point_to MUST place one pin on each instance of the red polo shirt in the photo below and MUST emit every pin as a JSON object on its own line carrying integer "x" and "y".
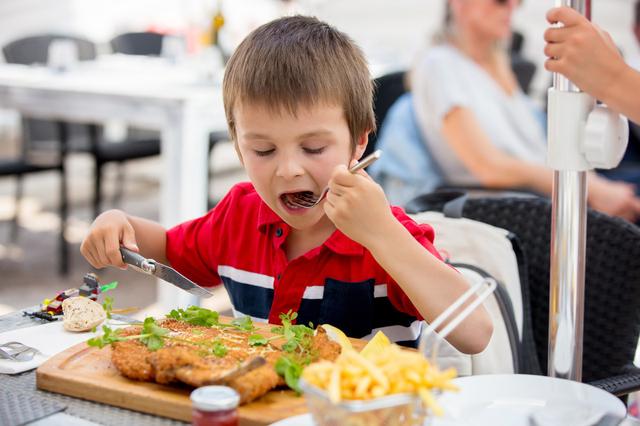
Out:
{"x": 240, "y": 244}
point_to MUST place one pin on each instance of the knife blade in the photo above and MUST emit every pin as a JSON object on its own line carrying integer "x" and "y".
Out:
{"x": 163, "y": 272}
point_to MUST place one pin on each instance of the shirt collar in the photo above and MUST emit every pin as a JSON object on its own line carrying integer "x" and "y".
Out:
{"x": 337, "y": 242}
{"x": 266, "y": 217}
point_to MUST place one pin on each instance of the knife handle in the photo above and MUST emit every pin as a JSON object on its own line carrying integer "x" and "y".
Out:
{"x": 136, "y": 259}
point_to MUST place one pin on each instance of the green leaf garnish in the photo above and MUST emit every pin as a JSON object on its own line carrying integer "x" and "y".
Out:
{"x": 195, "y": 315}
{"x": 108, "y": 337}
{"x": 152, "y": 334}
{"x": 257, "y": 340}
{"x": 107, "y": 305}
{"x": 291, "y": 369}
{"x": 243, "y": 324}
{"x": 219, "y": 349}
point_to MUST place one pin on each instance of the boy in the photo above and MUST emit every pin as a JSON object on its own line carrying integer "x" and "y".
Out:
{"x": 298, "y": 101}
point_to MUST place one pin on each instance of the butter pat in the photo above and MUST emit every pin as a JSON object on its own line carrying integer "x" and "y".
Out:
{"x": 82, "y": 314}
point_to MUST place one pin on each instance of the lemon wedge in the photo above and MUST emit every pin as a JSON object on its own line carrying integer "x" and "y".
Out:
{"x": 337, "y": 336}
{"x": 376, "y": 345}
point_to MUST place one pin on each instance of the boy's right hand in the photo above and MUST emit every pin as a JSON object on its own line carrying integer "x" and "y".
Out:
{"x": 109, "y": 231}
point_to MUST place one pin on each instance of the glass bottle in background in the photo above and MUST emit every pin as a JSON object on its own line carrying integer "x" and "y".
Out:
{"x": 210, "y": 59}
{"x": 214, "y": 406}
{"x": 217, "y": 22}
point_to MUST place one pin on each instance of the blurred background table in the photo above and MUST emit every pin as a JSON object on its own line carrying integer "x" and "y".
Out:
{"x": 185, "y": 109}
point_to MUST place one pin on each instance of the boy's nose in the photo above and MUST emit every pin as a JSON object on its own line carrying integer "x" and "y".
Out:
{"x": 289, "y": 168}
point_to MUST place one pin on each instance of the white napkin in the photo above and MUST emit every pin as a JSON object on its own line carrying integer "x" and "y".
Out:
{"x": 49, "y": 339}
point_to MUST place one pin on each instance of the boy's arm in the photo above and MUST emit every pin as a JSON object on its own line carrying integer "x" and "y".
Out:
{"x": 430, "y": 284}
{"x": 151, "y": 238}
{"x": 114, "y": 228}
{"x": 358, "y": 207}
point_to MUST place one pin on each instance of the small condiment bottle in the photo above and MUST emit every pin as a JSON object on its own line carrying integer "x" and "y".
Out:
{"x": 214, "y": 406}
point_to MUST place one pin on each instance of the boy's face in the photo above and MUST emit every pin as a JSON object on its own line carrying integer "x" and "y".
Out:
{"x": 285, "y": 154}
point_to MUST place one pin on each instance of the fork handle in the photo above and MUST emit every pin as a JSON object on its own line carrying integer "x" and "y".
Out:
{"x": 366, "y": 161}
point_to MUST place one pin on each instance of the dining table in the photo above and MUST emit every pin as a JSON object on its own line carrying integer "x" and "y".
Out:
{"x": 183, "y": 102}
{"x": 67, "y": 411}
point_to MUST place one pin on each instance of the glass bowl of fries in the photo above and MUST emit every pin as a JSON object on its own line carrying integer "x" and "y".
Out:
{"x": 392, "y": 410}
{"x": 390, "y": 386}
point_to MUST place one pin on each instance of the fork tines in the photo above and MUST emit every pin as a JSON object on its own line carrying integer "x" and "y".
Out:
{"x": 305, "y": 199}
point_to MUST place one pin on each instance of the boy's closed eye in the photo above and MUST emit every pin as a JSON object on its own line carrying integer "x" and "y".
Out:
{"x": 264, "y": 153}
{"x": 318, "y": 150}
{"x": 307, "y": 150}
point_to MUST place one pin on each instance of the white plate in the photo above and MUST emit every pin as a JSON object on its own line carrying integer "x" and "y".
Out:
{"x": 511, "y": 399}
{"x": 492, "y": 399}
{"x": 301, "y": 420}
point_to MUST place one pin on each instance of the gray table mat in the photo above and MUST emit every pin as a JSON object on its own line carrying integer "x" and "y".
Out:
{"x": 19, "y": 408}
{"x": 92, "y": 411}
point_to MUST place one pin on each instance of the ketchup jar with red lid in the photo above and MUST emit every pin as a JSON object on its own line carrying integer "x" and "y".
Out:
{"x": 214, "y": 406}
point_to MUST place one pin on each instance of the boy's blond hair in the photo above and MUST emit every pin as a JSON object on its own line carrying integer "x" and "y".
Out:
{"x": 300, "y": 61}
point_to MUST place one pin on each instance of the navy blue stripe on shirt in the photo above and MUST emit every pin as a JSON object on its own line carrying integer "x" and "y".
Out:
{"x": 249, "y": 299}
{"x": 359, "y": 309}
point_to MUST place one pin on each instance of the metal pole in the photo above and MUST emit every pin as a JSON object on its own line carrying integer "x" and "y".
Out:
{"x": 568, "y": 242}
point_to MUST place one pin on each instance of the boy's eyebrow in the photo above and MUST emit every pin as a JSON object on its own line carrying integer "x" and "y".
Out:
{"x": 252, "y": 135}
{"x": 315, "y": 133}
{"x": 322, "y": 132}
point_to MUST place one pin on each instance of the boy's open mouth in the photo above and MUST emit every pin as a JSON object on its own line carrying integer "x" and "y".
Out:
{"x": 289, "y": 199}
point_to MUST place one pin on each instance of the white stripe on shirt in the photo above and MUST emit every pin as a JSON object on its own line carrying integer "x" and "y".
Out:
{"x": 316, "y": 292}
{"x": 246, "y": 277}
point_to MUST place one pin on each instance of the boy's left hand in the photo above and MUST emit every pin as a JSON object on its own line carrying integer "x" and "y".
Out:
{"x": 356, "y": 204}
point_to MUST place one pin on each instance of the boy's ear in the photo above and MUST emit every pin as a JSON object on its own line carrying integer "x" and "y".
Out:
{"x": 361, "y": 145}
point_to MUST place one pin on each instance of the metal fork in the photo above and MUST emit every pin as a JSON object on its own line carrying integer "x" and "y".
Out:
{"x": 17, "y": 351}
{"x": 308, "y": 199}
{"x": 431, "y": 329}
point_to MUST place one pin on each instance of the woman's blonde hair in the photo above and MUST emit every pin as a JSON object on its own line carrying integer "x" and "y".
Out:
{"x": 299, "y": 61}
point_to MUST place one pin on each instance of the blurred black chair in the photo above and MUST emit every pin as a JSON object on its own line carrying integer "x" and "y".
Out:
{"x": 388, "y": 88}
{"x": 25, "y": 164}
{"x": 150, "y": 44}
{"x": 612, "y": 311}
{"x": 82, "y": 138}
{"x": 523, "y": 68}
{"x": 138, "y": 43}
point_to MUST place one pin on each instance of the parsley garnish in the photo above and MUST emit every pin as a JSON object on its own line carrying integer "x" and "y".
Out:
{"x": 298, "y": 340}
{"x": 219, "y": 349}
{"x": 205, "y": 317}
{"x": 152, "y": 336}
{"x": 107, "y": 305}
{"x": 291, "y": 369}
{"x": 297, "y": 336}
{"x": 108, "y": 337}
{"x": 242, "y": 324}
{"x": 258, "y": 340}
{"x": 195, "y": 315}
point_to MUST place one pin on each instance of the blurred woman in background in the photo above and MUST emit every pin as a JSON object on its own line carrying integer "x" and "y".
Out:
{"x": 479, "y": 126}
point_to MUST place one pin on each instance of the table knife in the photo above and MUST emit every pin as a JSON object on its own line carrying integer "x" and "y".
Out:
{"x": 163, "y": 272}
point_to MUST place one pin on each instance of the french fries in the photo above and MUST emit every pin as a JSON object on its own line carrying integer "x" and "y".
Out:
{"x": 389, "y": 370}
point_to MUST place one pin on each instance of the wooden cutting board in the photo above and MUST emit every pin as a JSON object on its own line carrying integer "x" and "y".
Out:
{"x": 87, "y": 372}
